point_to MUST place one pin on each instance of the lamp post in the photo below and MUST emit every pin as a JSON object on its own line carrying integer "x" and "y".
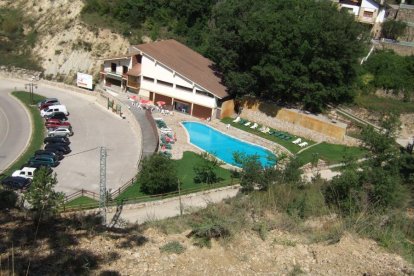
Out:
{"x": 30, "y": 86}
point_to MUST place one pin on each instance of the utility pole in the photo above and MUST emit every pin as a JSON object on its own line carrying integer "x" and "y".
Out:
{"x": 102, "y": 183}
{"x": 30, "y": 86}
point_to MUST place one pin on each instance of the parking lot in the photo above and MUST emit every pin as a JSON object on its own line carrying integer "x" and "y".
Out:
{"x": 94, "y": 127}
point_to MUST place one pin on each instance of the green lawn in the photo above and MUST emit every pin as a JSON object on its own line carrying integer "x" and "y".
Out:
{"x": 185, "y": 174}
{"x": 286, "y": 143}
{"x": 330, "y": 153}
{"x": 380, "y": 104}
{"x": 36, "y": 140}
{"x": 82, "y": 201}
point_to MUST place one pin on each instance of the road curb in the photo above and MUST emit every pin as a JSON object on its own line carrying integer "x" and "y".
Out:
{"x": 29, "y": 140}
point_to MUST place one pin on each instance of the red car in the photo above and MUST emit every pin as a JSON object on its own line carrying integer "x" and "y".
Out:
{"x": 54, "y": 123}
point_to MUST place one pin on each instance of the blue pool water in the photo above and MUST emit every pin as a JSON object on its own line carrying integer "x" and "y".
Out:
{"x": 222, "y": 146}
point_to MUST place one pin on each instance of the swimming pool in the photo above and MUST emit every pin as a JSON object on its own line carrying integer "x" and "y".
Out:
{"x": 222, "y": 146}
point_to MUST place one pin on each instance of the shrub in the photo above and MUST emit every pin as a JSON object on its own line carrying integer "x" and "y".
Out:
{"x": 203, "y": 233}
{"x": 393, "y": 29}
{"x": 173, "y": 247}
{"x": 206, "y": 170}
{"x": 158, "y": 175}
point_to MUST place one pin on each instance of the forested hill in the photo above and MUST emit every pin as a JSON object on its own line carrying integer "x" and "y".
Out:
{"x": 294, "y": 51}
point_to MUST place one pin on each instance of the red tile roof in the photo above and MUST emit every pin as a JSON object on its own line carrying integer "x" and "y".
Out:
{"x": 187, "y": 63}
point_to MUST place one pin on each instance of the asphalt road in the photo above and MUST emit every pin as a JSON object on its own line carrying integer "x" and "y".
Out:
{"x": 94, "y": 126}
{"x": 15, "y": 126}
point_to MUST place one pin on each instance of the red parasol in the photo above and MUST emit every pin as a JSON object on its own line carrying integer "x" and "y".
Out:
{"x": 143, "y": 101}
{"x": 160, "y": 103}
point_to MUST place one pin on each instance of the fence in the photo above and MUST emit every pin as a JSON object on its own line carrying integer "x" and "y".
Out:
{"x": 112, "y": 201}
{"x": 80, "y": 193}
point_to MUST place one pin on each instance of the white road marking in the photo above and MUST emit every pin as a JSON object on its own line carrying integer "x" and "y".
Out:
{"x": 7, "y": 127}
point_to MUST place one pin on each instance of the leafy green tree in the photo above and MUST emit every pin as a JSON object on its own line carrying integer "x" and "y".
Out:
{"x": 393, "y": 29}
{"x": 206, "y": 170}
{"x": 296, "y": 51}
{"x": 41, "y": 196}
{"x": 251, "y": 174}
{"x": 391, "y": 72}
{"x": 292, "y": 172}
{"x": 158, "y": 175}
{"x": 381, "y": 143}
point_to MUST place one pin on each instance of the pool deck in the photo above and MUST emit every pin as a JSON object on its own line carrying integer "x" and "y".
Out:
{"x": 183, "y": 145}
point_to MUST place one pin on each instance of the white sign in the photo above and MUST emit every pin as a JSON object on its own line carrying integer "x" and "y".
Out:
{"x": 84, "y": 80}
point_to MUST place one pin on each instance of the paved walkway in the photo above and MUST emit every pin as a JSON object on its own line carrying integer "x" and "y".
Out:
{"x": 149, "y": 138}
{"x": 157, "y": 210}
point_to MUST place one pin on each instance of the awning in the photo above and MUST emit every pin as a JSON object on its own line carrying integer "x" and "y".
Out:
{"x": 135, "y": 70}
{"x": 114, "y": 76}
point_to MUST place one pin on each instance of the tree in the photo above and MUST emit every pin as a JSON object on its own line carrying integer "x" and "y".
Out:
{"x": 158, "y": 175}
{"x": 206, "y": 170}
{"x": 251, "y": 174}
{"x": 296, "y": 51}
{"x": 381, "y": 142}
{"x": 393, "y": 29}
{"x": 41, "y": 196}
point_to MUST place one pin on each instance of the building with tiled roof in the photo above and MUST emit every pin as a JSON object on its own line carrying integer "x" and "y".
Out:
{"x": 170, "y": 72}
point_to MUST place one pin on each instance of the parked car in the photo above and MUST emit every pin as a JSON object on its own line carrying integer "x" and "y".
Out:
{"x": 61, "y": 140}
{"x": 46, "y": 105}
{"x": 37, "y": 166}
{"x": 48, "y": 155}
{"x": 52, "y": 109}
{"x": 60, "y": 132}
{"x": 16, "y": 182}
{"x": 54, "y": 123}
{"x": 48, "y": 100}
{"x": 57, "y": 115}
{"x": 44, "y": 161}
{"x": 26, "y": 172}
{"x": 65, "y": 149}
{"x": 59, "y": 155}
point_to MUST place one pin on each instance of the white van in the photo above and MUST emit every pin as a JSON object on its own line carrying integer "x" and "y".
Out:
{"x": 54, "y": 108}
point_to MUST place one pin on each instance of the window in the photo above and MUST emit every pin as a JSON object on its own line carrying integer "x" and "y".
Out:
{"x": 164, "y": 83}
{"x": 124, "y": 69}
{"x": 204, "y": 93}
{"x": 368, "y": 14}
{"x": 113, "y": 67}
{"x": 148, "y": 79}
{"x": 184, "y": 88}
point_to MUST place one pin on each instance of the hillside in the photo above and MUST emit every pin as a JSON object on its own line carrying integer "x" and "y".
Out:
{"x": 64, "y": 44}
{"x": 79, "y": 246}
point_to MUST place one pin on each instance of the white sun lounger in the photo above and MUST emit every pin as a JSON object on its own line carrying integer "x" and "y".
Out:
{"x": 236, "y": 120}
{"x": 254, "y": 126}
{"x": 247, "y": 124}
{"x": 304, "y": 144}
{"x": 297, "y": 141}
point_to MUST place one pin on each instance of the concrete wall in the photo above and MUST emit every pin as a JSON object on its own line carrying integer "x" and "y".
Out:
{"x": 312, "y": 123}
{"x": 268, "y": 114}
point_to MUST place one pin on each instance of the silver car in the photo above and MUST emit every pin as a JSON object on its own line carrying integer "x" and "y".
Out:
{"x": 60, "y": 132}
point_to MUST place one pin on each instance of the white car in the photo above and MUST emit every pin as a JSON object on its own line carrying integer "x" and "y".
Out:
{"x": 60, "y": 132}
{"x": 26, "y": 172}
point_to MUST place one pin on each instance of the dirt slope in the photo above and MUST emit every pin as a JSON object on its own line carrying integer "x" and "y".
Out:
{"x": 65, "y": 45}
{"x": 280, "y": 254}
